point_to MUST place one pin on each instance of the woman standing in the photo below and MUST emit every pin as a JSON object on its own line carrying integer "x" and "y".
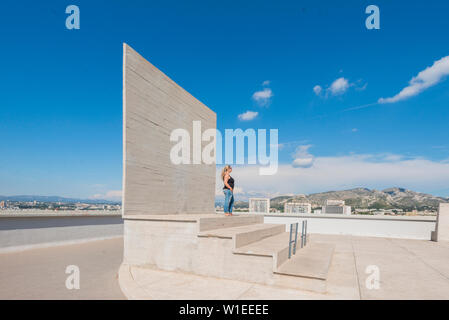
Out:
{"x": 228, "y": 189}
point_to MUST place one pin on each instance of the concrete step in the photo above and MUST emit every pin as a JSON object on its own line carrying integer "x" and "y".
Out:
{"x": 274, "y": 246}
{"x": 222, "y": 221}
{"x": 244, "y": 235}
{"x": 266, "y": 247}
{"x": 312, "y": 261}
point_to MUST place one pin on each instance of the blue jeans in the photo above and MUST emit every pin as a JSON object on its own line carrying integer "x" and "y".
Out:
{"x": 229, "y": 201}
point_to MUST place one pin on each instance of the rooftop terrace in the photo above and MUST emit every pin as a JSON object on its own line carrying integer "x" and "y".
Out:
{"x": 408, "y": 269}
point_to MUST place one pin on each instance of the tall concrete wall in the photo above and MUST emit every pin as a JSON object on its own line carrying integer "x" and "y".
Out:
{"x": 153, "y": 106}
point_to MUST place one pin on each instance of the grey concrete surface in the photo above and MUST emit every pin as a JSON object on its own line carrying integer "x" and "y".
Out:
{"x": 40, "y": 273}
{"x": 33, "y": 231}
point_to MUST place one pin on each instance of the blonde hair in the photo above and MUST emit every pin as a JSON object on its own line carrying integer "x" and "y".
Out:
{"x": 224, "y": 171}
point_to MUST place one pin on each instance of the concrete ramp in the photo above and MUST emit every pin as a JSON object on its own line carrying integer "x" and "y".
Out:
{"x": 312, "y": 261}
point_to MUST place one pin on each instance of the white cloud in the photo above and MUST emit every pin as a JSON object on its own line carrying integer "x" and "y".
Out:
{"x": 354, "y": 130}
{"x": 114, "y": 195}
{"x": 263, "y": 97}
{"x": 302, "y": 157}
{"x": 302, "y": 162}
{"x": 266, "y": 83}
{"x": 248, "y": 115}
{"x": 280, "y": 146}
{"x": 339, "y": 86}
{"x": 425, "y": 79}
{"x": 343, "y": 172}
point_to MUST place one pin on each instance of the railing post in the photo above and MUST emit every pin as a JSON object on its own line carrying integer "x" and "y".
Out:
{"x": 296, "y": 238}
{"x": 302, "y": 234}
{"x": 291, "y": 241}
{"x": 305, "y": 234}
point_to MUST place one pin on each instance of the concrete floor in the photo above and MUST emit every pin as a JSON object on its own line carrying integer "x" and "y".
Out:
{"x": 408, "y": 269}
{"x": 40, "y": 273}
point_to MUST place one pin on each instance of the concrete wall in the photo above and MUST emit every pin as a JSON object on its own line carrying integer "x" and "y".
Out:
{"x": 26, "y": 232}
{"x": 369, "y": 226}
{"x": 153, "y": 106}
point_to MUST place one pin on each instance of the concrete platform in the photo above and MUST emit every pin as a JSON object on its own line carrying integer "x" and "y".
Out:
{"x": 176, "y": 245}
{"x": 408, "y": 269}
{"x": 205, "y": 221}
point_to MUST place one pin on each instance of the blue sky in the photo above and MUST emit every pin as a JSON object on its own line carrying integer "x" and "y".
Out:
{"x": 61, "y": 99}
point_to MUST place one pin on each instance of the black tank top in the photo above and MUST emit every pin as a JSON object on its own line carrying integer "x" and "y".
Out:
{"x": 230, "y": 182}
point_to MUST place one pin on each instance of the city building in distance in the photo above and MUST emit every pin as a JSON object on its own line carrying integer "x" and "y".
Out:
{"x": 259, "y": 205}
{"x": 297, "y": 207}
{"x": 336, "y": 207}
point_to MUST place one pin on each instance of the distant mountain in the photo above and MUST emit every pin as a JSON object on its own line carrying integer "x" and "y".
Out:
{"x": 399, "y": 198}
{"x": 28, "y": 198}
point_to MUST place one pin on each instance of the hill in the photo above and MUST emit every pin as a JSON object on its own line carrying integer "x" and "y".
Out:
{"x": 399, "y": 198}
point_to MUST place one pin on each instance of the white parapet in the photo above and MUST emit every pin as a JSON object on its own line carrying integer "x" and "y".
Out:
{"x": 416, "y": 227}
{"x": 442, "y": 226}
